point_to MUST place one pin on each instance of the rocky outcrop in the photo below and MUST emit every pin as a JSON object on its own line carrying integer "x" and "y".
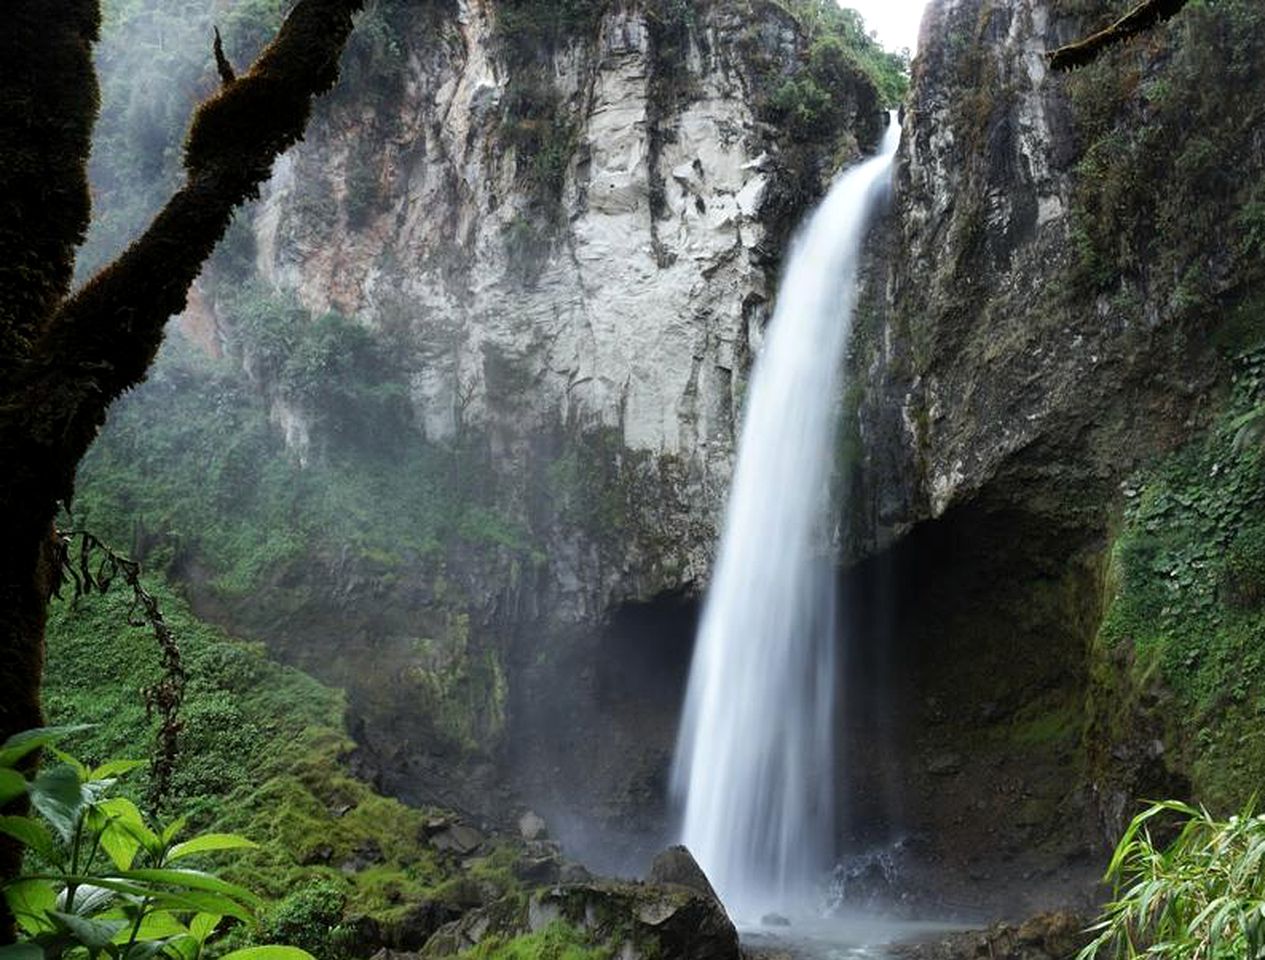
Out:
{"x": 630, "y": 920}
{"x": 1036, "y": 325}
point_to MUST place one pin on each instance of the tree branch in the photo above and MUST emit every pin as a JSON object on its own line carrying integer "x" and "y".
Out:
{"x": 103, "y": 339}
{"x": 222, "y": 63}
{"x": 1142, "y": 17}
{"x": 48, "y": 105}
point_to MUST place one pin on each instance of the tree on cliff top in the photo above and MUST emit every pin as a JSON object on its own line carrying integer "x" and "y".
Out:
{"x": 65, "y": 357}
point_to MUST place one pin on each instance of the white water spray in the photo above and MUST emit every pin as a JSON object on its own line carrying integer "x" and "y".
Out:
{"x": 755, "y": 757}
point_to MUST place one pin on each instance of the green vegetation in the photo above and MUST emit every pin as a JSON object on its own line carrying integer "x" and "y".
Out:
{"x": 1199, "y": 897}
{"x": 189, "y": 467}
{"x": 154, "y": 62}
{"x": 839, "y": 46}
{"x": 1153, "y": 114}
{"x": 558, "y": 941}
{"x": 261, "y": 755}
{"x": 102, "y": 878}
{"x": 1188, "y": 570}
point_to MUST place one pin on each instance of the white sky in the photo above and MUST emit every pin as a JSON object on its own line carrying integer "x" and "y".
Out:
{"x": 896, "y": 21}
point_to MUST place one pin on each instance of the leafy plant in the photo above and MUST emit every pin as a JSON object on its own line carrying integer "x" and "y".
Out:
{"x": 105, "y": 881}
{"x": 1200, "y": 897}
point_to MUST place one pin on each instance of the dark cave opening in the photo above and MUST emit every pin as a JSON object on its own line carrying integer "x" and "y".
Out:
{"x": 594, "y": 729}
{"x": 645, "y": 651}
{"x": 963, "y": 690}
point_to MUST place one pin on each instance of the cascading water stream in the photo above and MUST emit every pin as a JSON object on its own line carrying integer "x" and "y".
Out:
{"x": 755, "y": 756}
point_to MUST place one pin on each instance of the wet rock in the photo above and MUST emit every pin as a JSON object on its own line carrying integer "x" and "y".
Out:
{"x": 574, "y": 873}
{"x": 532, "y": 827}
{"x": 458, "y": 838}
{"x": 676, "y": 865}
{"x": 774, "y": 920}
{"x": 1046, "y": 936}
{"x": 538, "y": 871}
{"x": 420, "y": 922}
{"x": 944, "y": 765}
{"x": 633, "y": 921}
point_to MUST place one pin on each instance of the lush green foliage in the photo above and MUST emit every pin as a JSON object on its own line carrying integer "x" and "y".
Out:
{"x": 189, "y": 467}
{"x": 154, "y": 63}
{"x": 1189, "y": 574}
{"x": 262, "y": 747}
{"x": 105, "y": 880}
{"x": 1199, "y": 897}
{"x": 838, "y": 37}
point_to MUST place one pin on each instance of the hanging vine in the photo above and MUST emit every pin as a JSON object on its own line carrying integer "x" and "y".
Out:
{"x": 89, "y": 565}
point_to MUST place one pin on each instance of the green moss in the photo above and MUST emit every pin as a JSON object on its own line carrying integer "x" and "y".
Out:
{"x": 558, "y": 941}
{"x": 1186, "y": 583}
{"x": 261, "y": 754}
{"x": 1154, "y": 113}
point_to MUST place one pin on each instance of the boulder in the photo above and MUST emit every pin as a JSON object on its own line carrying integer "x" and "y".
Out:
{"x": 532, "y": 827}
{"x": 633, "y": 921}
{"x": 677, "y": 866}
{"x": 457, "y": 838}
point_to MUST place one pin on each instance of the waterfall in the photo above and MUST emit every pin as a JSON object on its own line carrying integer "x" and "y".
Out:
{"x": 755, "y": 755}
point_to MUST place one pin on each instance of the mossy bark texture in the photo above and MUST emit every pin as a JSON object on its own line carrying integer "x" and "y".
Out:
{"x": 64, "y": 358}
{"x": 1142, "y": 17}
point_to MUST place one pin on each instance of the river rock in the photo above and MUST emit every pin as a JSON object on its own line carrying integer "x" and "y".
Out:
{"x": 1046, "y": 936}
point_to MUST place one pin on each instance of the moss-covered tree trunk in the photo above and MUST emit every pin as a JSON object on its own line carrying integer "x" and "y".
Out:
{"x": 64, "y": 359}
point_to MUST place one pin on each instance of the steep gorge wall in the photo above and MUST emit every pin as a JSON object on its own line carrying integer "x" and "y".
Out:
{"x": 1064, "y": 293}
{"x": 500, "y": 307}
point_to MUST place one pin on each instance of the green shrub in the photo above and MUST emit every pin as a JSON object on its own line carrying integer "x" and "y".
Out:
{"x": 306, "y": 918}
{"x": 102, "y": 876}
{"x": 1200, "y": 896}
{"x": 1244, "y": 571}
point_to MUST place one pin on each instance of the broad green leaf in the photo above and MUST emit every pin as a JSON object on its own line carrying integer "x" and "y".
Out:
{"x": 268, "y": 953}
{"x": 70, "y": 761}
{"x": 192, "y": 901}
{"x": 203, "y": 925}
{"x": 144, "y": 949}
{"x": 156, "y": 925}
{"x": 169, "y": 832}
{"x": 58, "y": 794}
{"x": 114, "y": 768}
{"x": 30, "y": 902}
{"x": 123, "y": 831}
{"x": 185, "y": 948}
{"x": 90, "y": 900}
{"x": 31, "y": 833}
{"x": 193, "y": 879}
{"x": 198, "y": 901}
{"x": 94, "y": 934}
{"x": 208, "y": 842}
{"x": 12, "y": 784}
{"x": 120, "y": 844}
{"x": 21, "y": 744}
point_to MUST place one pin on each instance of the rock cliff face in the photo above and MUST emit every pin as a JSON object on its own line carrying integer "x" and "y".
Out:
{"x": 572, "y": 295}
{"x": 1050, "y": 307}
